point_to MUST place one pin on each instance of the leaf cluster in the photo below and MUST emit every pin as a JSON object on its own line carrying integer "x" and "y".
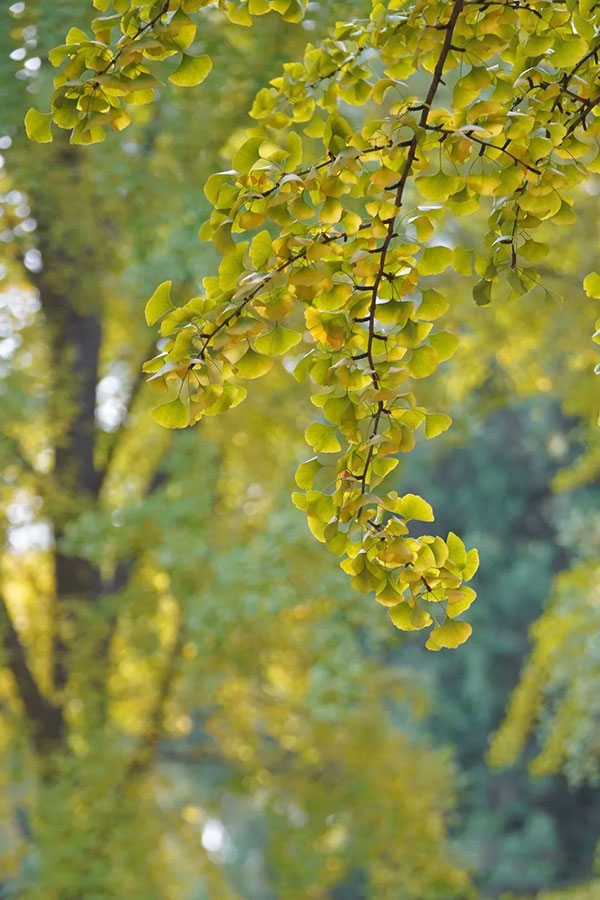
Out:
{"x": 343, "y": 220}
{"x": 117, "y": 66}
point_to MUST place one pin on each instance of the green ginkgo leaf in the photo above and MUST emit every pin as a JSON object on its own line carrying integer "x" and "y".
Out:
{"x": 247, "y": 155}
{"x": 400, "y": 616}
{"x": 260, "y": 249}
{"x": 591, "y": 285}
{"x": 293, "y": 146}
{"x": 450, "y": 635}
{"x": 438, "y": 187}
{"x": 191, "y": 71}
{"x": 436, "y": 423}
{"x": 471, "y": 565}
{"x": 253, "y": 365}
{"x": 435, "y": 259}
{"x": 432, "y": 305}
{"x": 159, "y": 303}
{"x": 482, "y": 292}
{"x": 423, "y": 362}
{"x": 411, "y": 506}
{"x": 322, "y": 438}
{"x": 37, "y": 126}
{"x": 306, "y": 473}
{"x": 444, "y": 343}
{"x": 173, "y": 414}
{"x": 277, "y": 341}
{"x": 459, "y": 601}
{"x": 568, "y": 51}
{"x": 457, "y": 550}
{"x": 331, "y": 211}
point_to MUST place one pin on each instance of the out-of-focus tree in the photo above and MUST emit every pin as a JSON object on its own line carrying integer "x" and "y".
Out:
{"x": 493, "y": 476}
{"x": 581, "y": 892}
{"x": 557, "y": 695}
{"x": 518, "y": 474}
{"x": 512, "y": 365}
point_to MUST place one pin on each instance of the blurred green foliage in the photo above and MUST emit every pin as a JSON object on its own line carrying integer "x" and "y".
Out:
{"x": 494, "y": 481}
{"x": 211, "y": 712}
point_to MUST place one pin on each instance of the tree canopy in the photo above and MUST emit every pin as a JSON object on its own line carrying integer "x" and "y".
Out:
{"x": 179, "y": 658}
{"x": 464, "y": 100}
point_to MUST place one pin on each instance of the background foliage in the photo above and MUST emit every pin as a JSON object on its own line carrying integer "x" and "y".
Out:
{"x": 212, "y": 711}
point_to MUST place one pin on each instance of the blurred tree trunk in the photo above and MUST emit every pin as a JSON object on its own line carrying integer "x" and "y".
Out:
{"x": 73, "y": 242}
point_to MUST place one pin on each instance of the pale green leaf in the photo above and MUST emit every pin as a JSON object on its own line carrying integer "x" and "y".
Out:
{"x": 438, "y": 187}
{"x": 293, "y": 146}
{"x": 591, "y": 285}
{"x": 435, "y": 259}
{"x": 174, "y": 414}
{"x": 322, "y": 438}
{"x": 457, "y": 551}
{"x": 411, "y": 506}
{"x": 403, "y": 617}
{"x": 277, "y": 341}
{"x": 436, "y": 423}
{"x": 423, "y": 362}
{"x": 450, "y": 635}
{"x": 432, "y": 305}
{"x": 471, "y": 564}
{"x": 253, "y": 365}
{"x": 37, "y": 126}
{"x": 159, "y": 303}
{"x": 444, "y": 343}
{"x": 306, "y": 473}
{"x": 191, "y": 71}
{"x": 245, "y": 157}
{"x": 260, "y": 249}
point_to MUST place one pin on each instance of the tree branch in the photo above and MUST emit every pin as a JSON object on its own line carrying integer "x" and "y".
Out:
{"x": 46, "y": 720}
{"x": 436, "y": 80}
